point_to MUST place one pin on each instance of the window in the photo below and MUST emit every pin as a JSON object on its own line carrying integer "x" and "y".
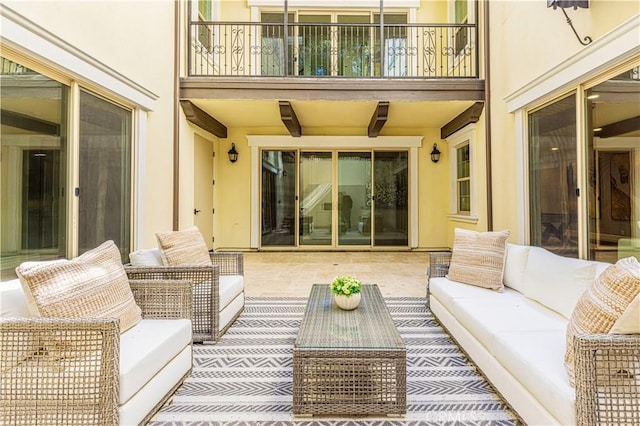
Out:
{"x": 204, "y": 31}
{"x": 461, "y": 34}
{"x": 463, "y": 203}
{"x": 463, "y": 180}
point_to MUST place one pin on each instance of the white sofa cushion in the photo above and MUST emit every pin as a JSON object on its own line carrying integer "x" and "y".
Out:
{"x": 478, "y": 258}
{"x": 488, "y": 318}
{"x": 146, "y": 257}
{"x": 535, "y": 359}
{"x": 515, "y": 265}
{"x": 12, "y": 300}
{"x": 230, "y": 311}
{"x": 446, "y": 291}
{"x": 229, "y": 287}
{"x": 146, "y": 349}
{"x": 629, "y": 321}
{"x": 555, "y": 281}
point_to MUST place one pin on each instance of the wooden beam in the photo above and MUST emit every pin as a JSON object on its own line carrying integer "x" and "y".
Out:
{"x": 471, "y": 115}
{"x": 619, "y": 128}
{"x": 378, "y": 119}
{"x": 203, "y": 120}
{"x": 289, "y": 118}
{"x": 27, "y": 122}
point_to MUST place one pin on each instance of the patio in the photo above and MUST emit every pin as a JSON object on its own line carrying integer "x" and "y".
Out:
{"x": 291, "y": 274}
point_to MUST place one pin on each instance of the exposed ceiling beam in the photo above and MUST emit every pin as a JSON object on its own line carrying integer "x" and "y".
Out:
{"x": 28, "y": 122}
{"x": 471, "y": 115}
{"x": 289, "y": 118}
{"x": 203, "y": 120}
{"x": 378, "y": 119}
{"x": 620, "y": 128}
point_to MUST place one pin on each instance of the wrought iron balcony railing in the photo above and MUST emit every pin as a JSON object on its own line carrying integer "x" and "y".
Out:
{"x": 240, "y": 49}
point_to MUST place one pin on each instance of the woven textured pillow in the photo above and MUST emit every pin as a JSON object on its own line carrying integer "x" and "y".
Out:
{"x": 478, "y": 258}
{"x": 602, "y": 304}
{"x": 184, "y": 248}
{"x": 93, "y": 285}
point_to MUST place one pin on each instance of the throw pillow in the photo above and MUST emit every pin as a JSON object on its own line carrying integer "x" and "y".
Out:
{"x": 477, "y": 258}
{"x": 93, "y": 285}
{"x": 602, "y": 304}
{"x": 146, "y": 257}
{"x": 184, "y": 248}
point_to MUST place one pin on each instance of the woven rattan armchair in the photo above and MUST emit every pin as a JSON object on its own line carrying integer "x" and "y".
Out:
{"x": 206, "y": 296}
{"x": 607, "y": 369}
{"x": 80, "y": 386}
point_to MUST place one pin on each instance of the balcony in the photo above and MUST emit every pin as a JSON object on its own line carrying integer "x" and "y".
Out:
{"x": 333, "y": 50}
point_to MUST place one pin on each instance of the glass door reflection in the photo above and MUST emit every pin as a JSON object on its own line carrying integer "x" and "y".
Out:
{"x": 354, "y": 198}
{"x": 278, "y": 198}
{"x": 316, "y": 208}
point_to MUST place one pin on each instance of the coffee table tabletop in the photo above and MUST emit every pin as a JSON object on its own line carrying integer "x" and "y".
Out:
{"x": 370, "y": 325}
{"x": 348, "y": 362}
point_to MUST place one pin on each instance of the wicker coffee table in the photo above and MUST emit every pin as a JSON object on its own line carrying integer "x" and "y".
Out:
{"x": 348, "y": 362}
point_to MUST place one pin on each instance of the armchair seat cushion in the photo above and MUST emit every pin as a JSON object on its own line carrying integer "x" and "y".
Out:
{"x": 148, "y": 347}
{"x": 230, "y": 312}
{"x": 230, "y": 287}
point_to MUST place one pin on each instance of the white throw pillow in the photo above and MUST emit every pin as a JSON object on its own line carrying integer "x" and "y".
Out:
{"x": 12, "y": 300}
{"x": 146, "y": 257}
{"x": 629, "y": 321}
{"x": 557, "y": 282}
{"x": 515, "y": 265}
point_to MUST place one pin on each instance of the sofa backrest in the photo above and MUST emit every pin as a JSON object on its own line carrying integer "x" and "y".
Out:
{"x": 12, "y": 300}
{"x": 557, "y": 282}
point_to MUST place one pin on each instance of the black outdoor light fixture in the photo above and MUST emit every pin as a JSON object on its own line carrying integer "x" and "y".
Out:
{"x": 575, "y": 4}
{"x": 233, "y": 154}
{"x": 435, "y": 153}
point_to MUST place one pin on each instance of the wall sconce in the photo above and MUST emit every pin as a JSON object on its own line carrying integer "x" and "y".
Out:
{"x": 233, "y": 154}
{"x": 435, "y": 153}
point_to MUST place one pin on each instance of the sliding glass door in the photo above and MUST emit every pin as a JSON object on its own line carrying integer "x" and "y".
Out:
{"x": 333, "y": 199}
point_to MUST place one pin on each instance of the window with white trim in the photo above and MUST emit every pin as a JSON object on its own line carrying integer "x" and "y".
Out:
{"x": 463, "y": 202}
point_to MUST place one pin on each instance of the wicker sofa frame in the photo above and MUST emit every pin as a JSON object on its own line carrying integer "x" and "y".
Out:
{"x": 80, "y": 387}
{"x": 599, "y": 400}
{"x": 206, "y": 284}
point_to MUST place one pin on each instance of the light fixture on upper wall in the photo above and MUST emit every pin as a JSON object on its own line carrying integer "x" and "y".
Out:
{"x": 233, "y": 154}
{"x": 575, "y": 4}
{"x": 435, "y": 153}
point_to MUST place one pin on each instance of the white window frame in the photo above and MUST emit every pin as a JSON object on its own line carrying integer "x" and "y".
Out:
{"x": 464, "y": 136}
{"x": 613, "y": 48}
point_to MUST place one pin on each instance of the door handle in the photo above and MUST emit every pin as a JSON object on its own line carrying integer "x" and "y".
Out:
{"x": 196, "y": 211}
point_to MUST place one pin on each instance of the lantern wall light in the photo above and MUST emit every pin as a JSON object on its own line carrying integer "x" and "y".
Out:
{"x": 233, "y": 154}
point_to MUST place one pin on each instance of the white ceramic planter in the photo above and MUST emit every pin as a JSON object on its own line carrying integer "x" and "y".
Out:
{"x": 347, "y": 303}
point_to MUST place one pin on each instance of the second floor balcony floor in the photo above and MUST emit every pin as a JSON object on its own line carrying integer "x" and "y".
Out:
{"x": 343, "y": 48}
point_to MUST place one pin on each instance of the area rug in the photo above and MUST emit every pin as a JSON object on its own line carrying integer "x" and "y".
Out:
{"x": 246, "y": 379}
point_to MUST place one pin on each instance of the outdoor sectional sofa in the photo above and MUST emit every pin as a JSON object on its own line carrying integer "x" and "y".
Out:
{"x": 517, "y": 338}
{"x": 83, "y": 370}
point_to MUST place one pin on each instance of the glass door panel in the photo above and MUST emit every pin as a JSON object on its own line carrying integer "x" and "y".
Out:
{"x": 105, "y": 174}
{"x": 553, "y": 164}
{"x": 314, "y": 45}
{"x": 354, "y": 46}
{"x": 316, "y": 208}
{"x": 278, "y": 198}
{"x": 391, "y": 198}
{"x": 354, "y": 198}
{"x": 33, "y": 144}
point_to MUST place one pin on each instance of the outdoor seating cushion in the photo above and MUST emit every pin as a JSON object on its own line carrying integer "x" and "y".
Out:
{"x": 229, "y": 312}
{"x": 146, "y": 349}
{"x": 183, "y": 248}
{"x": 146, "y": 257}
{"x": 229, "y": 287}
{"x": 12, "y": 300}
{"x": 93, "y": 284}
{"x": 514, "y": 266}
{"x": 477, "y": 258}
{"x": 557, "y": 282}
{"x": 534, "y": 358}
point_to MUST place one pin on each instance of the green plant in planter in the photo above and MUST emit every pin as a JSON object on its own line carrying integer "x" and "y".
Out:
{"x": 346, "y": 285}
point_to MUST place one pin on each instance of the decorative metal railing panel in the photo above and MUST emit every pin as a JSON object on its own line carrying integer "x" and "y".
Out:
{"x": 239, "y": 49}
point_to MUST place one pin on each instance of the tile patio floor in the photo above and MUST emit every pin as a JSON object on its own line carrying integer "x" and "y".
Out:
{"x": 278, "y": 274}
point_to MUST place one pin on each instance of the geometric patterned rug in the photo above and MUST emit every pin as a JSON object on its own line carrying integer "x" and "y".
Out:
{"x": 246, "y": 378}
